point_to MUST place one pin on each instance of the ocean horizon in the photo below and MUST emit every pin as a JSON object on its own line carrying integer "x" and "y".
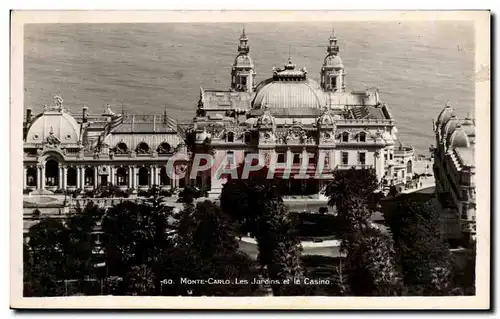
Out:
{"x": 147, "y": 68}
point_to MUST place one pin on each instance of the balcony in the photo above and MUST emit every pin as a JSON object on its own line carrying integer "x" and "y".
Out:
{"x": 405, "y": 151}
{"x": 356, "y": 166}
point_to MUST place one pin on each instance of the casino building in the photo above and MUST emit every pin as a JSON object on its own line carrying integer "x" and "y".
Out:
{"x": 68, "y": 152}
{"x": 288, "y": 115}
{"x": 455, "y": 170}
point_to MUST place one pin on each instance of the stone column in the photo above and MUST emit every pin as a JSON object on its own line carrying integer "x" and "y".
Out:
{"x": 134, "y": 179}
{"x": 151, "y": 175}
{"x": 289, "y": 157}
{"x": 96, "y": 175}
{"x": 78, "y": 177}
{"x": 157, "y": 175}
{"x": 43, "y": 176}
{"x": 59, "y": 177}
{"x": 174, "y": 179}
{"x": 130, "y": 177}
{"x": 25, "y": 177}
{"x": 304, "y": 162}
{"x": 65, "y": 177}
{"x": 112, "y": 175}
{"x": 39, "y": 176}
{"x": 83, "y": 177}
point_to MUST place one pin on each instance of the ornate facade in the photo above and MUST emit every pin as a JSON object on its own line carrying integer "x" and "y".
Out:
{"x": 455, "y": 171}
{"x": 290, "y": 115}
{"x": 66, "y": 152}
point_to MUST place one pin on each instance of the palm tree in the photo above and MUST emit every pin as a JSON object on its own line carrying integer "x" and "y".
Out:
{"x": 258, "y": 205}
{"x": 371, "y": 264}
{"x": 140, "y": 280}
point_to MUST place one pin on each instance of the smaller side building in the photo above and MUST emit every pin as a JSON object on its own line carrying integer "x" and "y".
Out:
{"x": 455, "y": 170}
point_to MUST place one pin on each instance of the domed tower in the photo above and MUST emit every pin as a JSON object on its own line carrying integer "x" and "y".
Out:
{"x": 332, "y": 71}
{"x": 243, "y": 71}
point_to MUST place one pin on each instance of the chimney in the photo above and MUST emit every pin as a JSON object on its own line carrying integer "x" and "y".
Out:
{"x": 85, "y": 112}
{"x": 28, "y": 116}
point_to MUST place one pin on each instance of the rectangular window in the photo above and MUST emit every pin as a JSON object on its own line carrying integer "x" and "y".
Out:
{"x": 281, "y": 158}
{"x": 312, "y": 159}
{"x": 230, "y": 157}
{"x": 296, "y": 158}
{"x": 333, "y": 82}
{"x": 345, "y": 158}
{"x": 362, "y": 158}
{"x": 362, "y": 137}
{"x": 345, "y": 137}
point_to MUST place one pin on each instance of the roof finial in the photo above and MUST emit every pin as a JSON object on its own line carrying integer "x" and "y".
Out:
{"x": 243, "y": 35}
{"x": 448, "y": 104}
{"x": 58, "y": 100}
{"x": 289, "y": 53}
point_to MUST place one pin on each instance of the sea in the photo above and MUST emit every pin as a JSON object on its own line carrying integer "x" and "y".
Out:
{"x": 147, "y": 68}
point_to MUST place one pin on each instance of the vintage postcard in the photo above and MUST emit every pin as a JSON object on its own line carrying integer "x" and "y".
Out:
{"x": 250, "y": 160}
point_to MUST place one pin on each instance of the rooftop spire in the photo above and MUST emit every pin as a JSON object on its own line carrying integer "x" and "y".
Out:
{"x": 333, "y": 47}
{"x": 243, "y": 48}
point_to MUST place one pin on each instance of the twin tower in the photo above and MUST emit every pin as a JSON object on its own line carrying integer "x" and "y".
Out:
{"x": 243, "y": 70}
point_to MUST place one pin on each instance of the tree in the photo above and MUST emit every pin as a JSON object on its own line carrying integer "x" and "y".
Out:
{"x": 352, "y": 192}
{"x": 371, "y": 265}
{"x": 360, "y": 183}
{"x": 259, "y": 207}
{"x": 79, "y": 245}
{"x": 425, "y": 259}
{"x": 135, "y": 236}
{"x": 44, "y": 268}
{"x": 207, "y": 243}
{"x": 140, "y": 280}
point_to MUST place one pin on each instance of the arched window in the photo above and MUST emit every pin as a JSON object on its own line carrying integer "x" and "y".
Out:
{"x": 142, "y": 148}
{"x": 164, "y": 148}
{"x": 121, "y": 176}
{"x": 89, "y": 176}
{"x": 345, "y": 137}
{"x": 51, "y": 173}
{"x": 409, "y": 167}
{"x": 31, "y": 176}
{"x": 143, "y": 176}
{"x": 121, "y": 148}
{"x": 230, "y": 137}
{"x": 248, "y": 137}
{"x": 71, "y": 176}
{"x": 333, "y": 82}
{"x": 164, "y": 178}
{"x": 362, "y": 137}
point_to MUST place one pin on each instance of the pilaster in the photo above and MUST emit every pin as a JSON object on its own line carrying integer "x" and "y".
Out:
{"x": 25, "y": 177}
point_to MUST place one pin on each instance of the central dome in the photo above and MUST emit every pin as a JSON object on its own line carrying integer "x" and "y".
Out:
{"x": 289, "y": 88}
